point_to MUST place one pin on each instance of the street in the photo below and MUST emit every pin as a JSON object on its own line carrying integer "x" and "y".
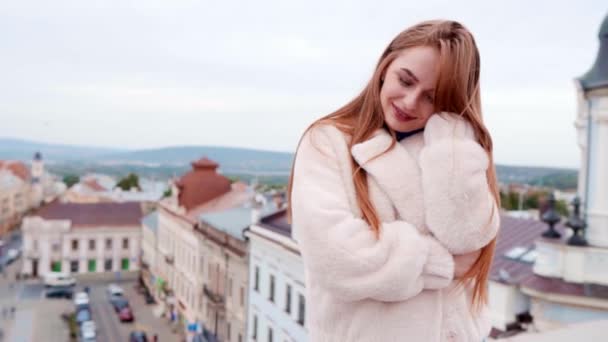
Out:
{"x": 37, "y": 318}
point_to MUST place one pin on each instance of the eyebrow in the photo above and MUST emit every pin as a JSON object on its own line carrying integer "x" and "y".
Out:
{"x": 411, "y": 74}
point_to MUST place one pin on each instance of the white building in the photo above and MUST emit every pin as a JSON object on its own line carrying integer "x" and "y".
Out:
{"x": 149, "y": 240}
{"x": 545, "y": 283}
{"x": 82, "y": 238}
{"x": 277, "y": 302}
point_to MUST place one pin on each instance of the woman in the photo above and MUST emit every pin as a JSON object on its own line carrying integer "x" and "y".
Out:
{"x": 394, "y": 200}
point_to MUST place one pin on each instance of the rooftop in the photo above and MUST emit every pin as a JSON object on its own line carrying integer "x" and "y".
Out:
{"x": 201, "y": 184}
{"x": 234, "y": 221}
{"x": 277, "y": 222}
{"x": 93, "y": 214}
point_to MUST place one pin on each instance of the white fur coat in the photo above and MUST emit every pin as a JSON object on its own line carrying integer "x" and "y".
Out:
{"x": 431, "y": 194}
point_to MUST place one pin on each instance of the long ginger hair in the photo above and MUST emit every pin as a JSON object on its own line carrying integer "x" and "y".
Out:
{"x": 457, "y": 91}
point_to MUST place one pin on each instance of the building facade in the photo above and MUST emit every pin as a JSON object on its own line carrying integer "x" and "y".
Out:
{"x": 82, "y": 239}
{"x": 277, "y": 301}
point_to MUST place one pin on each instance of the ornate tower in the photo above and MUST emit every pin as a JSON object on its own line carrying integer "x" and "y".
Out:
{"x": 592, "y": 128}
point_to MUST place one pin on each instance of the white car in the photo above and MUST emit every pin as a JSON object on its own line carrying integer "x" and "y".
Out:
{"x": 114, "y": 290}
{"x": 58, "y": 279}
{"x": 12, "y": 254}
{"x": 88, "y": 333}
{"x": 88, "y": 325}
{"x": 81, "y": 298}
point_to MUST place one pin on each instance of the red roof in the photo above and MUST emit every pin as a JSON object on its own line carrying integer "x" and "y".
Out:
{"x": 93, "y": 214}
{"x": 18, "y": 168}
{"x": 94, "y": 185}
{"x": 201, "y": 184}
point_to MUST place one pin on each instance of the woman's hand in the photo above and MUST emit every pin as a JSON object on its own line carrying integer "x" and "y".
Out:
{"x": 463, "y": 262}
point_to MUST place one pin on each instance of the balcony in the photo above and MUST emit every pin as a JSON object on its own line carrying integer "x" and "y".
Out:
{"x": 215, "y": 298}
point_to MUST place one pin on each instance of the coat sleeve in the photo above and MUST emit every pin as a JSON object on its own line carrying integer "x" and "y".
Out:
{"x": 340, "y": 251}
{"x": 460, "y": 209}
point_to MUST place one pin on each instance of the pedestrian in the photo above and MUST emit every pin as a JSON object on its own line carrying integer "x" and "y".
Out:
{"x": 155, "y": 338}
{"x": 393, "y": 199}
{"x": 13, "y": 309}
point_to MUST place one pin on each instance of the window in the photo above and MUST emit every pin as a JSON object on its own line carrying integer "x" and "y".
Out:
{"x": 230, "y": 287}
{"x": 228, "y": 332}
{"x": 55, "y": 246}
{"x": 91, "y": 245}
{"x": 107, "y": 265}
{"x": 56, "y": 266}
{"x": 242, "y": 296}
{"x": 124, "y": 264}
{"x": 74, "y": 245}
{"x": 255, "y": 327}
{"x": 35, "y": 243}
{"x": 108, "y": 244}
{"x": 74, "y": 266}
{"x": 202, "y": 266}
{"x": 271, "y": 289}
{"x": 301, "y": 310}
{"x": 269, "y": 334}
{"x": 256, "y": 284}
{"x": 92, "y": 264}
{"x": 125, "y": 243}
{"x": 288, "y": 299}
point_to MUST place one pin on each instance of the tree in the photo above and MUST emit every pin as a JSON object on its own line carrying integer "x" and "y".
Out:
{"x": 70, "y": 180}
{"x": 129, "y": 182}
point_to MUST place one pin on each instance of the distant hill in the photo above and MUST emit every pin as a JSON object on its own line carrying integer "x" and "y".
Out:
{"x": 169, "y": 161}
{"x": 230, "y": 159}
{"x": 24, "y": 150}
{"x": 234, "y": 160}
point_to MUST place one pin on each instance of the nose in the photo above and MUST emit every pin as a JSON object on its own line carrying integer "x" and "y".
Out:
{"x": 409, "y": 102}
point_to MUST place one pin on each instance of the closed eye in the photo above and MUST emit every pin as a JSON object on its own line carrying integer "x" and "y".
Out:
{"x": 405, "y": 82}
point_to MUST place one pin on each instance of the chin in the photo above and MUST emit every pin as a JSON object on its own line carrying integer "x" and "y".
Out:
{"x": 403, "y": 127}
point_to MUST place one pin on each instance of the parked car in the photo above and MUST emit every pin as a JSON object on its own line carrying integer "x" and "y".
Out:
{"x": 12, "y": 254}
{"x": 81, "y": 298}
{"x": 89, "y": 325}
{"x": 114, "y": 290}
{"x": 88, "y": 331}
{"x": 58, "y": 279}
{"x": 149, "y": 298}
{"x": 119, "y": 303}
{"x": 81, "y": 307}
{"x": 138, "y": 336}
{"x": 60, "y": 292}
{"x": 83, "y": 316}
{"x": 126, "y": 315}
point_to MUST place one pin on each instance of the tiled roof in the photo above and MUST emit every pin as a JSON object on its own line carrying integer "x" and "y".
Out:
{"x": 18, "y": 168}
{"x": 233, "y": 221}
{"x": 201, "y": 184}
{"x": 277, "y": 222}
{"x": 94, "y": 185}
{"x": 515, "y": 232}
{"x": 93, "y": 214}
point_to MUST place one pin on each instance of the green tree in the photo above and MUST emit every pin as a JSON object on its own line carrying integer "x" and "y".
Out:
{"x": 70, "y": 180}
{"x": 562, "y": 208}
{"x": 129, "y": 182}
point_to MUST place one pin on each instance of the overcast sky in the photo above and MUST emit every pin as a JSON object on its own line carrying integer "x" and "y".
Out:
{"x": 142, "y": 74}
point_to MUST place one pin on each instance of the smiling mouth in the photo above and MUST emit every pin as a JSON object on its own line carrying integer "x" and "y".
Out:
{"x": 401, "y": 115}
